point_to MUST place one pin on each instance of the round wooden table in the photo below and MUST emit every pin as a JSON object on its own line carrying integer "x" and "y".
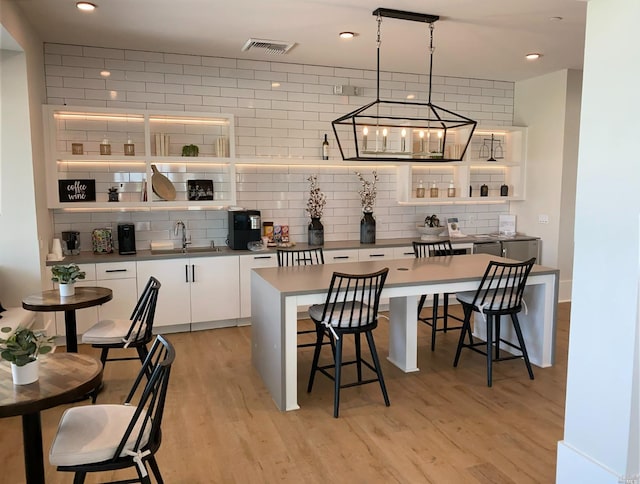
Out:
{"x": 47, "y": 301}
{"x": 63, "y": 378}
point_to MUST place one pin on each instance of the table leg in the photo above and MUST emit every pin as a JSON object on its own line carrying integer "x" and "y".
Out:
{"x": 403, "y": 332}
{"x": 70, "y": 329}
{"x": 32, "y": 442}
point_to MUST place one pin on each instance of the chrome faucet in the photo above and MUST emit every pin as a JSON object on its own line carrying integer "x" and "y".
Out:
{"x": 180, "y": 225}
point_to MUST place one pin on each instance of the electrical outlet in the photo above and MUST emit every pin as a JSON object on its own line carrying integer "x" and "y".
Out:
{"x": 543, "y": 219}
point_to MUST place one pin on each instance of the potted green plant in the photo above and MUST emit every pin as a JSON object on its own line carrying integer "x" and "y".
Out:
{"x": 22, "y": 348}
{"x": 66, "y": 275}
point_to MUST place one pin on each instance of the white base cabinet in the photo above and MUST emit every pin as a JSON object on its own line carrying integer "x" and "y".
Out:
{"x": 193, "y": 290}
{"x": 248, "y": 262}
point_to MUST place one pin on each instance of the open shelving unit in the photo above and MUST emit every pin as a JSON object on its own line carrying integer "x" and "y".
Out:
{"x": 74, "y": 137}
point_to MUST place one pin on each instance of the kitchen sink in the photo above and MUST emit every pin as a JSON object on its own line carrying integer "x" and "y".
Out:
{"x": 188, "y": 250}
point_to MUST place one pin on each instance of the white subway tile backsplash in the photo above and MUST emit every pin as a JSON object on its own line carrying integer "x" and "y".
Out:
{"x": 195, "y": 60}
{"x": 161, "y": 67}
{"x": 78, "y": 61}
{"x": 287, "y": 120}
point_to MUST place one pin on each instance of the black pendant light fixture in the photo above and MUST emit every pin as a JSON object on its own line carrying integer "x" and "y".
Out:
{"x": 403, "y": 130}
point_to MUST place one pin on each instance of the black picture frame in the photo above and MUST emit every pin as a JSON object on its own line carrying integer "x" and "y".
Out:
{"x": 77, "y": 190}
{"x": 200, "y": 189}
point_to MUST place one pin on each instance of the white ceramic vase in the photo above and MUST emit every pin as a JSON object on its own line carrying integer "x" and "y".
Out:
{"x": 67, "y": 289}
{"x": 23, "y": 375}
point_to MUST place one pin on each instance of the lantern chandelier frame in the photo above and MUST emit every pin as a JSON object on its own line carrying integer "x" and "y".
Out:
{"x": 411, "y": 131}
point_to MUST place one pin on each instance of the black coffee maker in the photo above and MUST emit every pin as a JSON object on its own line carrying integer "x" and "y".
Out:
{"x": 244, "y": 227}
{"x": 70, "y": 243}
{"x": 126, "y": 239}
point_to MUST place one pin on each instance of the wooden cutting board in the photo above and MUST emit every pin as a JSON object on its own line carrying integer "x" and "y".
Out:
{"x": 162, "y": 186}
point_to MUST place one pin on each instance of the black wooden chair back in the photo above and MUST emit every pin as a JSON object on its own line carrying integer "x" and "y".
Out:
{"x": 432, "y": 249}
{"x": 143, "y": 314}
{"x": 300, "y": 257}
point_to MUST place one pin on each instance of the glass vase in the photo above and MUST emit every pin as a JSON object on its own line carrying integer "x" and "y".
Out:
{"x": 367, "y": 228}
{"x": 316, "y": 232}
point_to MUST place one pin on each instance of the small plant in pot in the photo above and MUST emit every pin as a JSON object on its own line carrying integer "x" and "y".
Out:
{"x": 22, "y": 348}
{"x": 66, "y": 276}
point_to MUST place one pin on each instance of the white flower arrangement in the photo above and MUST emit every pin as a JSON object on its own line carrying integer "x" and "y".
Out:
{"x": 368, "y": 192}
{"x": 317, "y": 199}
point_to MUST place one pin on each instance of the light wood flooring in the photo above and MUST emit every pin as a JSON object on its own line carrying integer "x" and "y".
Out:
{"x": 443, "y": 426}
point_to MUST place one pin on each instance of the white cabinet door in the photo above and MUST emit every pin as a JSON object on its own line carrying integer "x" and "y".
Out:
{"x": 340, "y": 256}
{"x": 174, "y": 302}
{"x": 124, "y": 299}
{"x": 215, "y": 288}
{"x": 248, "y": 262}
{"x": 120, "y": 277}
{"x": 85, "y": 318}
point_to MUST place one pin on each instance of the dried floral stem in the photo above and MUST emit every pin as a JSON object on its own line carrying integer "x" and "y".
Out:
{"x": 368, "y": 192}
{"x": 317, "y": 199}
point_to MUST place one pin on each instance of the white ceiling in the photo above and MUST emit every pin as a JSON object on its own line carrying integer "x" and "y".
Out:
{"x": 484, "y": 39}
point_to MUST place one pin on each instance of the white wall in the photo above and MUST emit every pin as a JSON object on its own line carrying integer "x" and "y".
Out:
{"x": 285, "y": 120}
{"x": 548, "y": 105}
{"x": 601, "y": 434}
{"x": 23, "y": 213}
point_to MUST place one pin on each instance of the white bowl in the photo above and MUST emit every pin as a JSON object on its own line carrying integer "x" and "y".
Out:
{"x": 431, "y": 231}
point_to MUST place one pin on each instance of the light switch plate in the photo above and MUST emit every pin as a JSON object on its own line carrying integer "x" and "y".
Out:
{"x": 543, "y": 219}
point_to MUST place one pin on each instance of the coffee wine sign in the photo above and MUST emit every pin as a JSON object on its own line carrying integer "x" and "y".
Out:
{"x": 77, "y": 190}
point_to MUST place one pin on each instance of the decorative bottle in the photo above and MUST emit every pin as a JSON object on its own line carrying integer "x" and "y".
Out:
{"x": 484, "y": 191}
{"x": 434, "y": 191}
{"x": 105, "y": 147}
{"x": 420, "y": 190}
{"x": 504, "y": 190}
{"x": 325, "y": 148}
{"x": 451, "y": 191}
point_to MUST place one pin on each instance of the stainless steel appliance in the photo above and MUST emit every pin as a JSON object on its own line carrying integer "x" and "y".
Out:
{"x": 126, "y": 239}
{"x": 244, "y": 226}
{"x": 70, "y": 243}
{"x": 519, "y": 249}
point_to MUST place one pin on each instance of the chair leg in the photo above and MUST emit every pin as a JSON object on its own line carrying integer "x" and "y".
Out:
{"x": 358, "y": 356}
{"x": 466, "y": 326}
{"x": 376, "y": 362}
{"x": 490, "y": 320}
{"x": 103, "y": 355}
{"x": 143, "y": 479}
{"x": 525, "y": 355}
{"x": 497, "y": 319}
{"x": 446, "y": 311}
{"x": 316, "y": 355}
{"x": 79, "y": 477}
{"x": 155, "y": 469}
{"x": 434, "y": 322}
{"x": 423, "y": 298}
{"x": 336, "y": 377}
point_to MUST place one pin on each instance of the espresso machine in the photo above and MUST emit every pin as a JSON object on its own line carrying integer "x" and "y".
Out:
{"x": 71, "y": 243}
{"x": 244, "y": 227}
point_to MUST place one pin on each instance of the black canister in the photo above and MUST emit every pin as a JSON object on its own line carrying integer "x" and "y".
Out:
{"x": 484, "y": 191}
{"x": 504, "y": 190}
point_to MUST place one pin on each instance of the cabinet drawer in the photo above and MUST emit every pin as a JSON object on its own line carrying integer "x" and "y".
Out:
{"x": 403, "y": 252}
{"x": 375, "y": 254}
{"x": 116, "y": 270}
{"x": 338, "y": 256}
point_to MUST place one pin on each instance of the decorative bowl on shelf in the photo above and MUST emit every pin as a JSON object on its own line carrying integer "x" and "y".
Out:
{"x": 430, "y": 232}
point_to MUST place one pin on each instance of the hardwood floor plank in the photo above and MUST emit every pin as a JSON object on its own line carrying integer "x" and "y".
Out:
{"x": 443, "y": 426}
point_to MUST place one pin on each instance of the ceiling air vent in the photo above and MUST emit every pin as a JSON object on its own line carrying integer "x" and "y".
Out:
{"x": 271, "y": 46}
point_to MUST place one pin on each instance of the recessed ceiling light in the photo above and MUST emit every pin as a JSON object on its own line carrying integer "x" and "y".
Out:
{"x": 533, "y": 56}
{"x": 347, "y": 35}
{"x": 105, "y": 73}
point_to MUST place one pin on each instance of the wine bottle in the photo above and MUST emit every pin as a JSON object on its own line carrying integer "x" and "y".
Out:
{"x": 325, "y": 148}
